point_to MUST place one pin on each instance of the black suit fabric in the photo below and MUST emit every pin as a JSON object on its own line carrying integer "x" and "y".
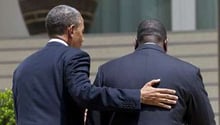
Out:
{"x": 151, "y": 62}
{"x": 52, "y": 87}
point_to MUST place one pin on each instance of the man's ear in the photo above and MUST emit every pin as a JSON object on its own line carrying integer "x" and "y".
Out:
{"x": 135, "y": 43}
{"x": 165, "y": 45}
{"x": 71, "y": 30}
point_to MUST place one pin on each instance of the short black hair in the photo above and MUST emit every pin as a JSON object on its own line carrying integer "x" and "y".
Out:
{"x": 151, "y": 27}
{"x": 59, "y": 18}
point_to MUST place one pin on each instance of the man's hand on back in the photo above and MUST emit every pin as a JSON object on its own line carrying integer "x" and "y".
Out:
{"x": 160, "y": 97}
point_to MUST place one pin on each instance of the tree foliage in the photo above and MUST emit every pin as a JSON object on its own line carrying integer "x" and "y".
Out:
{"x": 7, "y": 115}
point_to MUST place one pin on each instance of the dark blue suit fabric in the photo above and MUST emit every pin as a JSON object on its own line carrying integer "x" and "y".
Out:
{"x": 151, "y": 62}
{"x": 52, "y": 87}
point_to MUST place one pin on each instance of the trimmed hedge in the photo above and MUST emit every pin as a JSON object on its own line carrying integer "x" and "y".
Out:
{"x": 7, "y": 115}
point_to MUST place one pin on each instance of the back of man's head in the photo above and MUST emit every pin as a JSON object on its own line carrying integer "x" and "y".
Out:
{"x": 60, "y": 17}
{"x": 151, "y": 31}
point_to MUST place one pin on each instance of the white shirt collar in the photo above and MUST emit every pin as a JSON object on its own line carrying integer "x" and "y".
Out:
{"x": 150, "y": 43}
{"x": 58, "y": 40}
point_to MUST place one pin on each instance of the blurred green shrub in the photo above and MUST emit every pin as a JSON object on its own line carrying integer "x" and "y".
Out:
{"x": 7, "y": 115}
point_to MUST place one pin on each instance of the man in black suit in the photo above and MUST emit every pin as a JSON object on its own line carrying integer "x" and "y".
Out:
{"x": 149, "y": 61}
{"x": 52, "y": 87}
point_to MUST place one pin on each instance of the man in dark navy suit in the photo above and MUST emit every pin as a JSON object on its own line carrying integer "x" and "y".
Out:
{"x": 52, "y": 87}
{"x": 149, "y": 61}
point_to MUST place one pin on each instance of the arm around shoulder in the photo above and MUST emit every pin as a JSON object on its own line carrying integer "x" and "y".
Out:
{"x": 90, "y": 96}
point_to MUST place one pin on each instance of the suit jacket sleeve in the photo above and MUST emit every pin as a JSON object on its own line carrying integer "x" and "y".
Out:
{"x": 199, "y": 111}
{"x": 90, "y": 96}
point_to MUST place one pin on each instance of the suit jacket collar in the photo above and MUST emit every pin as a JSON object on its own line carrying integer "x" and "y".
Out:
{"x": 150, "y": 46}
